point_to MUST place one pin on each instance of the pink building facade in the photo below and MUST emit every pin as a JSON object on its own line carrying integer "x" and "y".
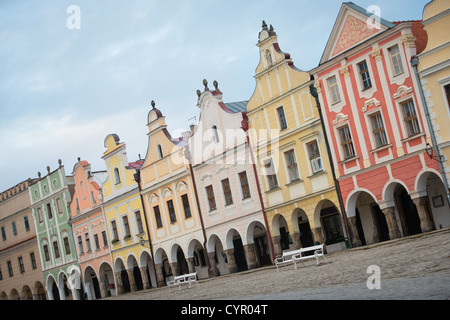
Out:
{"x": 377, "y": 129}
{"x": 89, "y": 231}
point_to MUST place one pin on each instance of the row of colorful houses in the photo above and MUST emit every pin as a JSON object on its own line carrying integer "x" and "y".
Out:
{"x": 350, "y": 153}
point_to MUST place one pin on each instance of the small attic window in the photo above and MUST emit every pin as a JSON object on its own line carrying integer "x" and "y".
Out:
{"x": 215, "y": 134}
{"x": 116, "y": 175}
{"x": 160, "y": 153}
{"x": 268, "y": 58}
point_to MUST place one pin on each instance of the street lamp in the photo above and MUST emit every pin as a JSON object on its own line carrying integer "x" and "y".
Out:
{"x": 429, "y": 149}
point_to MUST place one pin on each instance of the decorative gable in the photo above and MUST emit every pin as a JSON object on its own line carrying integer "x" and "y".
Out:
{"x": 353, "y": 32}
{"x": 353, "y": 26}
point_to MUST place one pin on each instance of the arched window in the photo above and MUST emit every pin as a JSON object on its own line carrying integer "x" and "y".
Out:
{"x": 116, "y": 175}
{"x": 160, "y": 153}
{"x": 215, "y": 134}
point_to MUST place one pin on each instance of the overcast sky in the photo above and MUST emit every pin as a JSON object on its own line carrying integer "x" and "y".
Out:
{"x": 62, "y": 91}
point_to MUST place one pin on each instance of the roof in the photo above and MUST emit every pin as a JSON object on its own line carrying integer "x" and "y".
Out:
{"x": 238, "y": 106}
{"x": 369, "y": 14}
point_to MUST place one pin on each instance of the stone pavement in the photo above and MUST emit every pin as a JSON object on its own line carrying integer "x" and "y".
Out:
{"x": 414, "y": 267}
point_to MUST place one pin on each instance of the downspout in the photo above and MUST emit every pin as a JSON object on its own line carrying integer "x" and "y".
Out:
{"x": 137, "y": 178}
{"x": 188, "y": 156}
{"x": 414, "y": 63}
{"x": 245, "y": 128}
{"x": 313, "y": 92}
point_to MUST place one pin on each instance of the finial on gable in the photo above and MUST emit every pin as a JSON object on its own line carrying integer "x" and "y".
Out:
{"x": 205, "y": 83}
{"x": 216, "y": 85}
{"x": 264, "y": 25}
{"x": 153, "y": 104}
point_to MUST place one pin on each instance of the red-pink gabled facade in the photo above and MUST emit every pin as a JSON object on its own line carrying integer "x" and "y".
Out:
{"x": 376, "y": 126}
{"x": 89, "y": 231}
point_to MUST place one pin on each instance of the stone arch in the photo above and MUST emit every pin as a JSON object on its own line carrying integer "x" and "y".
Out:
{"x": 39, "y": 291}
{"x": 216, "y": 254}
{"x": 197, "y": 258}
{"x": 302, "y": 233}
{"x": 91, "y": 283}
{"x": 134, "y": 274}
{"x": 14, "y": 294}
{"x": 328, "y": 217}
{"x": 107, "y": 280}
{"x": 147, "y": 268}
{"x": 52, "y": 288}
{"x": 3, "y": 296}
{"x": 258, "y": 245}
{"x": 26, "y": 293}
{"x": 235, "y": 251}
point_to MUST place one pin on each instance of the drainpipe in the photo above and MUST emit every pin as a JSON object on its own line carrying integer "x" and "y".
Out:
{"x": 269, "y": 238}
{"x": 313, "y": 92}
{"x": 137, "y": 178}
{"x": 414, "y": 63}
{"x": 188, "y": 156}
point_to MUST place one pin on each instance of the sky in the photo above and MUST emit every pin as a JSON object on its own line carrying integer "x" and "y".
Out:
{"x": 66, "y": 83}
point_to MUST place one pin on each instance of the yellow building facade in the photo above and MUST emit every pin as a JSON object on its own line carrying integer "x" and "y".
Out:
{"x": 434, "y": 71}
{"x": 168, "y": 194}
{"x": 289, "y": 148}
{"x": 125, "y": 219}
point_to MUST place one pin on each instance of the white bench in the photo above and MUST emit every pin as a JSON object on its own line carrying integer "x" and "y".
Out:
{"x": 287, "y": 258}
{"x": 318, "y": 252}
{"x": 187, "y": 278}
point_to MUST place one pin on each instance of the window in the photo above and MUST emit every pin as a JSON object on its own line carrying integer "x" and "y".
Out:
{"x": 80, "y": 245}
{"x": 49, "y": 211}
{"x": 270, "y": 173}
{"x": 33, "y": 260}
{"x": 93, "y": 198}
{"x": 291, "y": 165}
{"x": 46, "y": 253}
{"x": 66, "y": 245}
{"x": 160, "y": 153}
{"x": 39, "y": 213}
{"x": 97, "y": 243}
{"x": 158, "y": 217}
{"x": 114, "y": 230}
{"x": 105, "y": 239}
{"x": 227, "y": 191}
{"x": 10, "y": 269}
{"x": 58, "y": 205}
{"x": 314, "y": 156}
{"x": 215, "y": 134}
{"x": 3, "y": 233}
{"x": 116, "y": 176}
{"x": 396, "y": 60}
{"x": 346, "y": 142}
{"x": 173, "y": 217}
{"x": 27, "y": 225}
{"x": 365, "y": 76}
{"x": 126, "y": 226}
{"x": 410, "y": 118}
{"x": 88, "y": 242}
{"x": 281, "y": 118}
{"x": 447, "y": 93}
{"x": 333, "y": 90}
{"x": 21, "y": 266}
{"x": 211, "y": 199}
{"x": 56, "y": 249}
{"x": 244, "y": 185}
{"x": 378, "y": 129}
{"x": 140, "y": 227}
{"x": 187, "y": 208}
{"x": 14, "y": 228}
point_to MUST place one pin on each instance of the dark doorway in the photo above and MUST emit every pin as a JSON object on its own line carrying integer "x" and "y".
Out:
{"x": 381, "y": 224}
{"x": 125, "y": 281}
{"x": 409, "y": 211}
{"x": 182, "y": 264}
{"x": 306, "y": 238}
{"x": 96, "y": 285}
{"x": 360, "y": 228}
{"x": 55, "y": 292}
{"x": 138, "y": 278}
{"x": 263, "y": 251}
{"x": 239, "y": 255}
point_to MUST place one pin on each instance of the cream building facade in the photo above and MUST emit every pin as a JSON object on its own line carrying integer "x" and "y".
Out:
{"x": 433, "y": 66}
{"x": 301, "y": 202}
{"x": 227, "y": 186}
{"x": 168, "y": 193}
{"x": 122, "y": 206}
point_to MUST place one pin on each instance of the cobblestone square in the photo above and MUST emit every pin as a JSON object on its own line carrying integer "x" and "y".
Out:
{"x": 414, "y": 267}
